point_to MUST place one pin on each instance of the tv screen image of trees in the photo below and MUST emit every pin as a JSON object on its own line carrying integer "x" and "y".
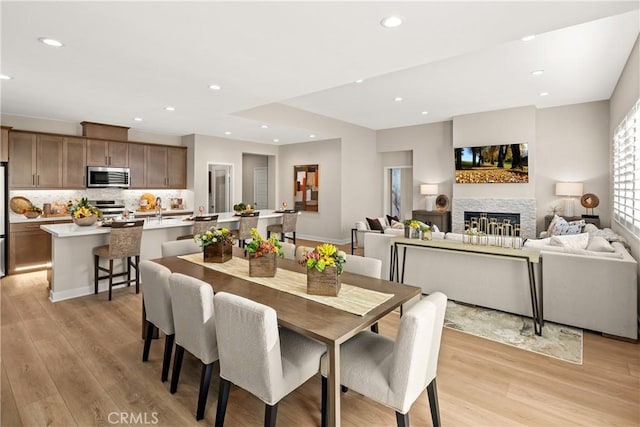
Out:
{"x": 507, "y": 163}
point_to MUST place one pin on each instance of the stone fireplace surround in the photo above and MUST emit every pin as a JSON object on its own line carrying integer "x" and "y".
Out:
{"x": 526, "y": 208}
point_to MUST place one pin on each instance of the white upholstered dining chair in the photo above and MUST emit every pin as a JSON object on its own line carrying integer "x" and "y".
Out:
{"x": 180, "y": 247}
{"x": 395, "y": 373}
{"x": 364, "y": 266}
{"x": 301, "y": 250}
{"x": 157, "y": 304}
{"x": 289, "y": 250}
{"x": 267, "y": 361}
{"x": 195, "y": 326}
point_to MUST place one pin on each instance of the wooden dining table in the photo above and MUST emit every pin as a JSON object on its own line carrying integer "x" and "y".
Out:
{"x": 321, "y": 322}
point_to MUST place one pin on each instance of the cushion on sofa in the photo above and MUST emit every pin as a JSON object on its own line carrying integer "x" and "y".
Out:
{"x": 397, "y": 225}
{"x": 562, "y": 227}
{"x": 390, "y": 220}
{"x": 599, "y": 244}
{"x": 571, "y": 241}
{"x": 374, "y": 224}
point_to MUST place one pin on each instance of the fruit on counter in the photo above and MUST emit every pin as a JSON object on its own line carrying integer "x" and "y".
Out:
{"x": 32, "y": 211}
{"x": 239, "y": 207}
{"x": 147, "y": 201}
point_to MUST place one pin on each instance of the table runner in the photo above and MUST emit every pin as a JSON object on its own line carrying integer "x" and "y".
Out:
{"x": 351, "y": 299}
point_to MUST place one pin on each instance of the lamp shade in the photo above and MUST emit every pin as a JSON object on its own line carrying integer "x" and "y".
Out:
{"x": 568, "y": 189}
{"x": 429, "y": 189}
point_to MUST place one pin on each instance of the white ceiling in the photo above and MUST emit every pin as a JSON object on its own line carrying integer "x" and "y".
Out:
{"x": 131, "y": 59}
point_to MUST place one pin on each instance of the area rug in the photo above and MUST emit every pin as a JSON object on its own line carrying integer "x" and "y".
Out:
{"x": 557, "y": 341}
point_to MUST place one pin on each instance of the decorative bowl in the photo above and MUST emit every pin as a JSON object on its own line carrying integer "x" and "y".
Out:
{"x": 84, "y": 221}
{"x": 31, "y": 214}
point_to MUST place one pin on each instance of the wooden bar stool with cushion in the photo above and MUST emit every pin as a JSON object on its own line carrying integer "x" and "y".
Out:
{"x": 288, "y": 225}
{"x": 246, "y": 223}
{"x": 200, "y": 225}
{"x": 124, "y": 242}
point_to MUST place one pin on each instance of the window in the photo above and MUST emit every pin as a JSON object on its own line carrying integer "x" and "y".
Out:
{"x": 626, "y": 171}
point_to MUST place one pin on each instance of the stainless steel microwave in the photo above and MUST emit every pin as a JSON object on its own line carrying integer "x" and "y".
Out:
{"x": 101, "y": 176}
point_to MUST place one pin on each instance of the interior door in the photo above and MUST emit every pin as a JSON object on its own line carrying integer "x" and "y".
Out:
{"x": 220, "y": 188}
{"x": 260, "y": 187}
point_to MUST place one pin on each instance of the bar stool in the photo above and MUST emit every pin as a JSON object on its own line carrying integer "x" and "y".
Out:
{"x": 200, "y": 225}
{"x": 124, "y": 242}
{"x": 247, "y": 222}
{"x": 288, "y": 225}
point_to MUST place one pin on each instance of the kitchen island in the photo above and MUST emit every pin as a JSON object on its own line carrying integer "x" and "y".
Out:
{"x": 71, "y": 272}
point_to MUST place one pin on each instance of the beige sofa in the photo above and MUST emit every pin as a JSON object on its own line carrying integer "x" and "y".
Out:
{"x": 586, "y": 289}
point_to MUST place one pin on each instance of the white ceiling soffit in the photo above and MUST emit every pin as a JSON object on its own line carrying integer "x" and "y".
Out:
{"x": 131, "y": 59}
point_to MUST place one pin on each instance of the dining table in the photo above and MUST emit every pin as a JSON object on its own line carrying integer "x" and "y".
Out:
{"x": 324, "y": 323}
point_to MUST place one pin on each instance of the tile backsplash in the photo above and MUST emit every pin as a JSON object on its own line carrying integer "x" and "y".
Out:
{"x": 130, "y": 198}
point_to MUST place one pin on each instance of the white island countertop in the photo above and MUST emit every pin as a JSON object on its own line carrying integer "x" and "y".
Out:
{"x": 71, "y": 248}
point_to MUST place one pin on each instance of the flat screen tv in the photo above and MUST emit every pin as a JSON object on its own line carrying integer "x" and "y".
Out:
{"x": 492, "y": 164}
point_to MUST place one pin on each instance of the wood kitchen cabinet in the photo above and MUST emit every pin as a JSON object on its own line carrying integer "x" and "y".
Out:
{"x": 107, "y": 153}
{"x": 4, "y": 143}
{"x": 36, "y": 160}
{"x": 441, "y": 219}
{"x": 74, "y": 153}
{"x": 166, "y": 167}
{"x": 29, "y": 246}
{"x": 138, "y": 165}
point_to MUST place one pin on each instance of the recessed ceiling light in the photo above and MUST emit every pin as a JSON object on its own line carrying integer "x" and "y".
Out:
{"x": 5, "y": 77}
{"x": 264, "y": 127}
{"x": 50, "y": 42}
{"x": 359, "y": 81}
{"x": 227, "y": 133}
{"x": 398, "y": 99}
{"x": 169, "y": 108}
{"x": 215, "y": 87}
{"x": 528, "y": 38}
{"x": 537, "y": 72}
{"x": 424, "y": 113}
{"x": 544, "y": 93}
{"x": 137, "y": 119}
{"x": 312, "y": 135}
{"x": 391, "y": 21}
{"x": 276, "y": 140}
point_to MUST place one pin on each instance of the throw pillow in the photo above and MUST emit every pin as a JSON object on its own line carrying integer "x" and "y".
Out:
{"x": 590, "y": 228}
{"x": 599, "y": 244}
{"x": 383, "y": 222}
{"x": 562, "y": 227}
{"x": 552, "y": 225}
{"x": 390, "y": 219}
{"x": 374, "y": 224}
{"x": 573, "y": 241}
{"x": 397, "y": 224}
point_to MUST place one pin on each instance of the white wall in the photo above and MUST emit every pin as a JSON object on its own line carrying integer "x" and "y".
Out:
{"x": 511, "y": 126}
{"x": 70, "y": 128}
{"x": 432, "y": 153}
{"x": 211, "y": 149}
{"x": 325, "y": 224}
{"x": 573, "y": 146}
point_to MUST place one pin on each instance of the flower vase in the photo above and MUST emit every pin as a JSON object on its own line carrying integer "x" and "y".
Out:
{"x": 426, "y": 235}
{"x": 218, "y": 252}
{"x": 262, "y": 266}
{"x": 410, "y": 232}
{"x": 85, "y": 220}
{"x": 325, "y": 282}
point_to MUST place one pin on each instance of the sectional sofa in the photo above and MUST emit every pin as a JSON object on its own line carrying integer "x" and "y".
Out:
{"x": 590, "y": 289}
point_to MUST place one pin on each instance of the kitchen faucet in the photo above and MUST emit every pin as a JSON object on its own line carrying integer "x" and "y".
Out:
{"x": 159, "y": 209}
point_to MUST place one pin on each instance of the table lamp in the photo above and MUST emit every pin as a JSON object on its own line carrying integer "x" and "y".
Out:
{"x": 429, "y": 190}
{"x": 568, "y": 190}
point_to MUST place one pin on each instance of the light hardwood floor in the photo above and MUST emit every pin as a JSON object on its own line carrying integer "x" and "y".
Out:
{"x": 76, "y": 362}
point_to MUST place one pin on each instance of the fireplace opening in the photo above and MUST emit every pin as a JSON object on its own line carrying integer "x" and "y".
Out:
{"x": 499, "y": 216}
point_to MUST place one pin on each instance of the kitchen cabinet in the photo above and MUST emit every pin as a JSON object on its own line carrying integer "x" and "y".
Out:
{"x": 441, "y": 219}
{"x": 36, "y": 160}
{"x": 166, "y": 167}
{"x": 29, "y": 246}
{"x": 4, "y": 144}
{"x": 74, "y": 153}
{"x": 107, "y": 153}
{"x": 138, "y": 165}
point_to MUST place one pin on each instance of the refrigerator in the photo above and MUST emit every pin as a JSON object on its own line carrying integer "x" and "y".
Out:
{"x": 4, "y": 218}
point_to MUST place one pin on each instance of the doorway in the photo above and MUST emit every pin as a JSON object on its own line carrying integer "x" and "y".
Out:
{"x": 220, "y": 188}
{"x": 398, "y": 191}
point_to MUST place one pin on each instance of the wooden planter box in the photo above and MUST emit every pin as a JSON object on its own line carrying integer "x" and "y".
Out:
{"x": 323, "y": 283}
{"x": 218, "y": 252}
{"x": 262, "y": 266}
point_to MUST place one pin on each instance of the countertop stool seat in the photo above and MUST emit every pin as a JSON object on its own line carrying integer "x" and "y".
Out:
{"x": 124, "y": 242}
{"x": 246, "y": 223}
{"x": 200, "y": 225}
{"x": 288, "y": 225}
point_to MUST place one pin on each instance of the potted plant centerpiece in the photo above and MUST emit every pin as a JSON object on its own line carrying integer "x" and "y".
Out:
{"x": 411, "y": 229}
{"x": 426, "y": 232}
{"x": 216, "y": 244}
{"x": 82, "y": 212}
{"x": 262, "y": 254}
{"x": 324, "y": 266}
